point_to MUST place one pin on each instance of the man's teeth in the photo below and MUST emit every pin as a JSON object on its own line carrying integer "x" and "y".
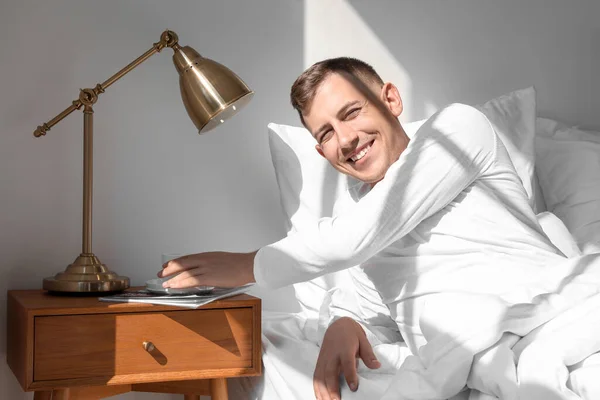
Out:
{"x": 361, "y": 154}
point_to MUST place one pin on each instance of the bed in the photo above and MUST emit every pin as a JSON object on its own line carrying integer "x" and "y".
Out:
{"x": 559, "y": 166}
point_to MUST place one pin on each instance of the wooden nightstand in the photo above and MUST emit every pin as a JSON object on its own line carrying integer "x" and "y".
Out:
{"x": 81, "y": 348}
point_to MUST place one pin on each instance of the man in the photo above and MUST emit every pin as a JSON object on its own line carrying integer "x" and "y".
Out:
{"x": 433, "y": 212}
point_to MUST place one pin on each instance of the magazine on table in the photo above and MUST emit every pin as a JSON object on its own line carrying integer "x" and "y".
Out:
{"x": 191, "y": 300}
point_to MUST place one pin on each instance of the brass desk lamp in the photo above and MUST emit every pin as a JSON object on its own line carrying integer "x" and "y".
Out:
{"x": 211, "y": 93}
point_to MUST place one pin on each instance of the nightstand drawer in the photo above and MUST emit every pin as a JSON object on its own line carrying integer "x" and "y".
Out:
{"x": 107, "y": 345}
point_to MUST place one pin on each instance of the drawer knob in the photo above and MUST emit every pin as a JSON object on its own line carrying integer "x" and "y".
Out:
{"x": 148, "y": 346}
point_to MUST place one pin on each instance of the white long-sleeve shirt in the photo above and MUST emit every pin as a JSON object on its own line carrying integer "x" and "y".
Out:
{"x": 450, "y": 211}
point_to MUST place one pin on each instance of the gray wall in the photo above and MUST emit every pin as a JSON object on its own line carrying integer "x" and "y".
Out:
{"x": 444, "y": 51}
{"x": 159, "y": 187}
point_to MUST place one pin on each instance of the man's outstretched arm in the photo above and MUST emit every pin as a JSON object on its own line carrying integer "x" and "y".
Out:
{"x": 448, "y": 153}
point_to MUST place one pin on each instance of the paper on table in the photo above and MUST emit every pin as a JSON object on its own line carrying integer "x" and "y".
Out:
{"x": 187, "y": 301}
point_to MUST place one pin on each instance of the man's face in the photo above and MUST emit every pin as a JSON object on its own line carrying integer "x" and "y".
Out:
{"x": 356, "y": 131}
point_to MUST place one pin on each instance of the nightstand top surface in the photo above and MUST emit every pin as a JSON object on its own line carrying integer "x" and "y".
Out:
{"x": 40, "y": 302}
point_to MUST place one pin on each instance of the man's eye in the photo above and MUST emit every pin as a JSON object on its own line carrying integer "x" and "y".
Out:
{"x": 326, "y": 136}
{"x": 352, "y": 113}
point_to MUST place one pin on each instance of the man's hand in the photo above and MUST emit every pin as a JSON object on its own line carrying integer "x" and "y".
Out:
{"x": 210, "y": 269}
{"x": 344, "y": 342}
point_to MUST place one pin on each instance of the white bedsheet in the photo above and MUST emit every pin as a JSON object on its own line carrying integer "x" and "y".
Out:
{"x": 499, "y": 349}
{"x": 289, "y": 359}
{"x": 557, "y": 360}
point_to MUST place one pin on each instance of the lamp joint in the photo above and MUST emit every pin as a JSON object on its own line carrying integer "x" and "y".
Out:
{"x": 167, "y": 39}
{"x": 88, "y": 96}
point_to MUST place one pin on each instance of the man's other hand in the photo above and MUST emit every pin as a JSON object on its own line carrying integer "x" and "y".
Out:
{"x": 219, "y": 269}
{"x": 344, "y": 342}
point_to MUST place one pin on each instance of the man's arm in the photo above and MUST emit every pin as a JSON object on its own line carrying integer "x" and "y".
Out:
{"x": 448, "y": 153}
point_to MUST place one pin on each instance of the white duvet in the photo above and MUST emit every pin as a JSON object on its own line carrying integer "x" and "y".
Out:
{"x": 557, "y": 359}
{"x": 289, "y": 359}
{"x": 508, "y": 350}
{"x": 491, "y": 349}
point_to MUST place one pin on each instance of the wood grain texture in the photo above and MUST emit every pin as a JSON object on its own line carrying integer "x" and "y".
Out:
{"x": 144, "y": 378}
{"x": 42, "y": 303}
{"x": 42, "y": 395}
{"x": 218, "y": 389}
{"x": 257, "y": 339}
{"x": 73, "y": 347}
{"x": 87, "y": 392}
{"x": 19, "y": 341}
{"x": 198, "y": 387}
{"x": 61, "y": 394}
{"x": 79, "y": 346}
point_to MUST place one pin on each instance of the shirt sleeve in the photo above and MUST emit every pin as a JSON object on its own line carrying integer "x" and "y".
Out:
{"x": 447, "y": 154}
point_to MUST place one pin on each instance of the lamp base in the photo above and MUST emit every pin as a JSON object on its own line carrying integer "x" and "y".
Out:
{"x": 86, "y": 275}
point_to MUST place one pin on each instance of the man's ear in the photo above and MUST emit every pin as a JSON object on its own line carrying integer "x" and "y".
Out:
{"x": 319, "y": 150}
{"x": 390, "y": 95}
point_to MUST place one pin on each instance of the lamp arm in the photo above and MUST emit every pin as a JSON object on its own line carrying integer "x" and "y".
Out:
{"x": 89, "y": 96}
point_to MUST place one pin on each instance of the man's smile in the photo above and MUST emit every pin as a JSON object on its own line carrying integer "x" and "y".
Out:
{"x": 360, "y": 152}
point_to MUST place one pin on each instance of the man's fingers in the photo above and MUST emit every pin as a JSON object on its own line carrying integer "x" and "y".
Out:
{"x": 321, "y": 391}
{"x": 332, "y": 379}
{"x": 180, "y": 264}
{"x": 365, "y": 352}
{"x": 319, "y": 386}
{"x": 172, "y": 267}
{"x": 349, "y": 371}
{"x": 184, "y": 283}
{"x": 187, "y": 278}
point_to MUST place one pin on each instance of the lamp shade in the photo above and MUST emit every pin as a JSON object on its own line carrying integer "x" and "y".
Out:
{"x": 210, "y": 91}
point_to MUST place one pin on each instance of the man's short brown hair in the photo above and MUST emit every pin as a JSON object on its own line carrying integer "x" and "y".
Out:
{"x": 305, "y": 87}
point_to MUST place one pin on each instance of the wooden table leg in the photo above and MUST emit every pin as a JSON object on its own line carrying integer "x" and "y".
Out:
{"x": 56, "y": 394}
{"x": 42, "y": 395}
{"x": 61, "y": 394}
{"x": 218, "y": 389}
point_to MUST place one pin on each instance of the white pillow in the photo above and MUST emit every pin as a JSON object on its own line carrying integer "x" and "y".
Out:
{"x": 568, "y": 168}
{"x": 513, "y": 117}
{"x": 309, "y": 185}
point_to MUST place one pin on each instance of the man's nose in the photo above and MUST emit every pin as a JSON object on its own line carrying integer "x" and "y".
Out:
{"x": 347, "y": 138}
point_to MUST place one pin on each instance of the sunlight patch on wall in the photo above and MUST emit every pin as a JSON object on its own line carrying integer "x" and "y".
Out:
{"x": 333, "y": 28}
{"x": 430, "y": 108}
